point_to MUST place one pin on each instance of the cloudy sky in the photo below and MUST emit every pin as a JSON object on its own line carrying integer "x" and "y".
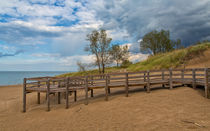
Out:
{"x": 51, "y": 34}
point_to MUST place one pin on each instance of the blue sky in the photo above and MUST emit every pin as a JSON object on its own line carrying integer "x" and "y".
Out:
{"x": 51, "y": 34}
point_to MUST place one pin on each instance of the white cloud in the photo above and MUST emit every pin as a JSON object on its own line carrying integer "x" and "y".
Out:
{"x": 45, "y": 55}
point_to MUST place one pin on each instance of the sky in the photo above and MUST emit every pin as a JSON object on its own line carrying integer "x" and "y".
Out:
{"x": 50, "y": 35}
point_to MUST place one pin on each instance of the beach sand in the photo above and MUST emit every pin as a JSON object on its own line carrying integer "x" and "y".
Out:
{"x": 181, "y": 108}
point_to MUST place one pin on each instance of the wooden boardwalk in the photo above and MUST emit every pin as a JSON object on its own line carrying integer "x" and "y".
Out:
{"x": 49, "y": 85}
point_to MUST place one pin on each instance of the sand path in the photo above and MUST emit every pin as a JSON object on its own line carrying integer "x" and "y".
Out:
{"x": 178, "y": 109}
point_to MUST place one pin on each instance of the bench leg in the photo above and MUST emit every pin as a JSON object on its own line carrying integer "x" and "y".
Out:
{"x": 91, "y": 92}
{"x": 24, "y": 101}
{"x": 38, "y": 97}
{"x": 67, "y": 99}
{"x": 59, "y": 98}
{"x": 75, "y": 95}
{"x": 48, "y": 101}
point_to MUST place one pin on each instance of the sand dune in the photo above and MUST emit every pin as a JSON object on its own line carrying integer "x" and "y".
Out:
{"x": 182, "y": 108}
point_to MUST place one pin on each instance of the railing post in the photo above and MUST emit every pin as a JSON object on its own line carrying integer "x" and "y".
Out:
{"x": 67, "y": 93}
{"x": 182, "y": 77}
{"x": 207, "y": 94}
{"x": 194, "y": 78}
{"x": 171, "y": 78}
{"x": 38, "y": 94}
{"x": 24, "y": 95}
{"x": 145, "y": 80}
{"x": 148, "y": 82}
{"x": 106, "y": 87}
{"x": 91, "y": 90}
{"x": 126, "y": 84}
{"x": 163, "y": 77}
{"x": 109, "y": 90}
{"x": 48, "y": 94}
{"x": 75, "y": 95}
{"x": 86, "y": 90}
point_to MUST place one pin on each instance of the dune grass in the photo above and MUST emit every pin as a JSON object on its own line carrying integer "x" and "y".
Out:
{"x": 174, "y": 59}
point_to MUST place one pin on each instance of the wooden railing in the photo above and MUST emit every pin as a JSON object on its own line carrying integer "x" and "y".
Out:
{"x": 194, "y": 77}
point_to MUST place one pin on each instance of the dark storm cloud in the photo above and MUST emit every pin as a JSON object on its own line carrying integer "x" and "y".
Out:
{"x": 186, "y": 19}
{"x": 21, "y": 34}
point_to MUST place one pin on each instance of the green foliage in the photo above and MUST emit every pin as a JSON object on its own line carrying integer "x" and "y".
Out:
{"x": 100, "y": 47}
{"x": 172, "y": 59}
{"x": 158, "y": 42}
{"x": 126, "y": 63}
{"x": 119, "y": 53}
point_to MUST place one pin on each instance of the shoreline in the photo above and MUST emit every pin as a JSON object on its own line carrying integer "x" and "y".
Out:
{"x": 16, "y": 85}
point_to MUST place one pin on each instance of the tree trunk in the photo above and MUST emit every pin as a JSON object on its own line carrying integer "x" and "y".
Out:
{"x": 98, "y": 63}
{"x": 103, "y": 68}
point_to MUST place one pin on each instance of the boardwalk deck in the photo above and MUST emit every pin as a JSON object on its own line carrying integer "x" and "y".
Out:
{"x": 146, "y": 79}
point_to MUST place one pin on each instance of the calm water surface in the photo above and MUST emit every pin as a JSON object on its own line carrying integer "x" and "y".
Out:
{"x": 16, "y": 77}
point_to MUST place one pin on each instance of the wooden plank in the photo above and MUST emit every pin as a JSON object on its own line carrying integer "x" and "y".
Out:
{"x": 148, "y": 82}
{"x": 106, "y": 88}
{"x": 136, "y": 77}
{"x": 48, "y": 94}
{"x": 199, "y": 74}
{"x": 126, "y": 84}
{"x": 171, "y": 79}
{"x": 187, "y": 74}
{"x": 67, "y": 92}
{"x": 86, "y": 90}
{"x": 118, "y": 78}
{"x": 157, "y": 75}
{"x": 138, "y": 72}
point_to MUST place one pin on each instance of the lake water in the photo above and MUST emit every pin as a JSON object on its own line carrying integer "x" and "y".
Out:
{"x": 16, "y": 77}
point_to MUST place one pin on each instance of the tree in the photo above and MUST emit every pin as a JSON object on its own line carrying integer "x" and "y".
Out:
{"x": 177, "y": 44}
{"x": 158, "y": 42}
{"x": 81, "y": 66}
{"x": 100, "y": 47}
{"x": 119, "y": 53}
{"x": 125, "y": 63}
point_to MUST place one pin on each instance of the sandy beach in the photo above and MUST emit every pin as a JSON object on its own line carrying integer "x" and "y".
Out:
{"x": 182, "y": 108}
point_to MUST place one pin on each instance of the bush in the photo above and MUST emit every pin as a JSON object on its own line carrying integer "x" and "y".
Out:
{"x": 126, "y": 63}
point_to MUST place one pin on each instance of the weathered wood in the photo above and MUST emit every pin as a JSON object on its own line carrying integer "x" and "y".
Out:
{"x": 148, "y": 82}
{"x": 59, "y": 98}
{"x": 194, "y": 78}
{"x": 171, "y": 79}
{"x": 106, "y": 88}
{"x": 38, "y": 94}
{"x": 24, "y": 95}
{"x": 75, "y": 95}
{"x": 126, "y": 84}
{"x": 182, "y": 76}
{"x": 163, "y": 78}
{"x": 207, "y": 95}
{"x": 48, "y": 94}
{"x": 109, "y": 91}
{"x": 86, "y": 90}
{"x": 91, "y": 92}
{"x": 67, "y": 92}
{"x": 144, "y": 80}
